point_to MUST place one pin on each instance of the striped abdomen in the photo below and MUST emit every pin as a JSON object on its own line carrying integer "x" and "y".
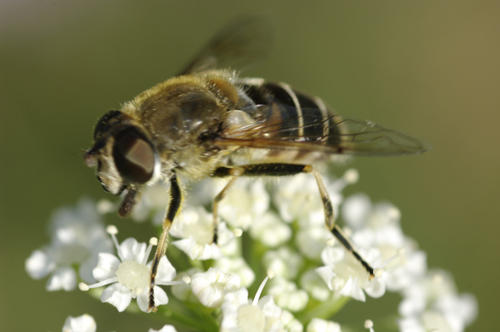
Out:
{"x": 289, "y": 115}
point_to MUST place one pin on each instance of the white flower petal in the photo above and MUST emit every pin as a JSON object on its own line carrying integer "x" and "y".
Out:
{"x": 198, "y": 251}
{"x": 289, "y": 322}
{"x": 211, "y": 286}
{"x": 297, "y": 196}
{"x": 131, "y": 250}
{"x": 166, "y": 272}
{"x": 246, "y": 201}
{"x": 375, "y": 288}
{"x": 411, "y": 306}
{"x": 270, "y": 230}
{"x": 462, "y": 306}
{"x": 62, "y": 278}
{"x": 107, "y": 266}
{"x": 183, "y": 291}
{"x": 410, "y": 324}
{"x": 235, "y": 299}
{"x": 311, "y": 241}
{"x": 237, "y": 266}
{"x": 194, "y": 222}
{"x": 284, "y": 262}
{"x": 321, "y": 325}
{"x": 165, "y": 328}
{"x": 435, "y": 321}
{"x": 352, "y": 289}
{"x": 287, "y": 295}
{"x": 161, "y": 298}
{"x": 356, "y": 209}
{"x": 383, "y": 214}
{"x": 333, "y": 255}
{"x": 39, "y": 264}
{"x": 315, "y": 285}
{"x": 117, "y": 295}
{"x": 409, "y": 268}
{"x": 227, "y": 242}
{"x": 326, "y": 273}
{"x": 269, "y": 308}
{"x": 84, "y": 323}
{"x": 229, "y": 308}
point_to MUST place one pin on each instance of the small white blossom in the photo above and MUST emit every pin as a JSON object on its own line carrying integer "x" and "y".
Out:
{"x": 245, "y": 203}
{"x": 83, "y": 323}
{"x": 284, "y": 262}
{"x": 427, "y": 321}
{"x": 270, "y": 230}
{"x": 165, "y": 328}
{"x": 356, "y": 209}
{"x": 239, "y": 314}
{"x": 129, "y": 277}
{"x": 211, "y": 286}
{"x": 290, "y": 324}
{"x": 346, "y": 276}
{"x": 196, "y": 228}
{"x": 237, "y": 266}
{"x": 77, "y": 237}
{"x": 359, "y": 212}
{"x": 315, "y": 286}
{"x": 297, "y": 197}
{"x": 311, "y": 241}
{"x": 321, "y": 325}
{"x": 373, "y": 224}
{"x": 287, "y": 294}
{"x": 425, "y": 291}
{"x": 377, "y": 226}
{"x": 461, "y": 306}
{"x": 183, "y": 291}
{"x": 432, "y": 302}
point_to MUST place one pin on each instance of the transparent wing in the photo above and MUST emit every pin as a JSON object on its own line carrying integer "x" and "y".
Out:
{"x": 333, "y": 134}
{"x": 240, "y": 43}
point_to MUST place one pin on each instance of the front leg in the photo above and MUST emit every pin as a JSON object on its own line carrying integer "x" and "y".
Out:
{"x": 173, "y": 207}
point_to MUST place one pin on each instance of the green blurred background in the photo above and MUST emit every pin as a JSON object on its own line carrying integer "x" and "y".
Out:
{"x": 429, "y": 68}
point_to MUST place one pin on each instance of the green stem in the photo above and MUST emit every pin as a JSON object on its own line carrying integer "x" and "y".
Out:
{"x": 194, "y": 319}
{"x": 324, "y": 310}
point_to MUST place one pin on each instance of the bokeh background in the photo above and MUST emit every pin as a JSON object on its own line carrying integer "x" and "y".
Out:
{"x": 429, "y": 68}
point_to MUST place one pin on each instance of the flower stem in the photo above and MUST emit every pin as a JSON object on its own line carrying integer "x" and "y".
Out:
{"x": 176, "y": 312}
{"x": 324, "y": 310}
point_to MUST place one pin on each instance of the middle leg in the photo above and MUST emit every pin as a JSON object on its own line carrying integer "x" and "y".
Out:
{"x": 283, "y": 170}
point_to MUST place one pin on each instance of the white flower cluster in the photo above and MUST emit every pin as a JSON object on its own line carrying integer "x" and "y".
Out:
{"x": 311, "y": 274}
{"x": 86, "y": 323}
{"x": 77, "y": 237}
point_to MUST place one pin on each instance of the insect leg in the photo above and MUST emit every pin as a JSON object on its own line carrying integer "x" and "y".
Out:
{"x": 223, "y": 172}
{"x": 291, "y": 169}
{"x": 173, "y": 208}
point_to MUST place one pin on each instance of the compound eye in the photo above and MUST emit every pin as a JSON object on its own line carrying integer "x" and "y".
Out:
{"x": 134, "y": 156}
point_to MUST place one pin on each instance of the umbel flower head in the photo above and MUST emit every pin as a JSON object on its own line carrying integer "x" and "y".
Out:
{"x": 264, "y": 226}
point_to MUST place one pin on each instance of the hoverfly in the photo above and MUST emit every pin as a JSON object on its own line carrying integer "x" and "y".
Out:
{"x": 198, "y": 122}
